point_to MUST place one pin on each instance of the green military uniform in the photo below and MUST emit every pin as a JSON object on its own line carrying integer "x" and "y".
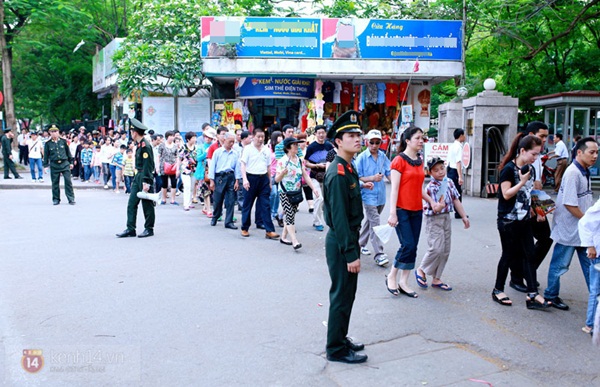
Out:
{"x": 343, "y": 214}
{"x": 58, "y": 156}
{"x": 144, "y": 165}
{"x": 9, "y": 165}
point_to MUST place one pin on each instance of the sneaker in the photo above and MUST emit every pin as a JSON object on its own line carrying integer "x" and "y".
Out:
{"x": 105, "y": 186}
{"x": 319, "y": 227}
{"x": 41, "y": 180}
{"x": 382, "y": 260}
{"x": 365, "y": 251}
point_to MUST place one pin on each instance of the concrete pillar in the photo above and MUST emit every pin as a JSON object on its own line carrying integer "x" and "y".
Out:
{"x": 489, "y": 108}
{"x": 450, "y": 118}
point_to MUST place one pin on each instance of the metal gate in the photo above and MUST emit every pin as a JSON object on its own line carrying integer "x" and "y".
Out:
{"x": 493, "y": 150}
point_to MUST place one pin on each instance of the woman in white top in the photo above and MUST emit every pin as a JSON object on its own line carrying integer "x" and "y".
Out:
{"x": 288, "y": 176}
{"x": 36, "y": 150}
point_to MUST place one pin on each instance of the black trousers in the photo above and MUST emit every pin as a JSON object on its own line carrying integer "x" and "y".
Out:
{"x": 24, "y": 154}
{"x": 341, "y": 295}
{"x": 541, "y": 233}
{"x": 517, "y": 249}
{"x": 224, "y": 193}
{"x": 134, "y": 201}
{"x": 9, "y": 165}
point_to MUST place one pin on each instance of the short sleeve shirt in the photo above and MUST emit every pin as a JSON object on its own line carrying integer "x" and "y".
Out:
{"x": 391, "y": 94}
{"x": 575, "y": 190}
{"x": 517, "y": 207}
{"x": 410, "y": 195}
{"x": 292, "y": 181}
{"x": 346, "y": 94}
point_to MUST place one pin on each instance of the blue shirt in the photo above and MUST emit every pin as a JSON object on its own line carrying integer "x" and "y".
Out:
{"x": 223, "y": 161}
{"x": 366, "y": 165}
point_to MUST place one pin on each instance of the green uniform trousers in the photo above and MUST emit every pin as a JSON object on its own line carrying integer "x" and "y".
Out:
{"x": 341, "y": 295}
{"x": 134, "y": 201}
{"x": 56, "y": 169}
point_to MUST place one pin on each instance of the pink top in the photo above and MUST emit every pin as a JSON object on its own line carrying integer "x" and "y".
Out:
{"x": 273, "y": 166}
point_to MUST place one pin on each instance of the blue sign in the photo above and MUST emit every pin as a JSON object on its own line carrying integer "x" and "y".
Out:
{"x": 392, "y": 39}
{"x": 262, "y": 37}
{"x": 275, "y": 87}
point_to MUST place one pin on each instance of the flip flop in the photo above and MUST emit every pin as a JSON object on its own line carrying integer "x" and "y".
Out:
{"x": 422, "y": 282}
{"x": 442, "y": 286}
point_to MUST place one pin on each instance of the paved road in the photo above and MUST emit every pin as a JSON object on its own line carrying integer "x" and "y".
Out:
{"x": 200, "y": 305}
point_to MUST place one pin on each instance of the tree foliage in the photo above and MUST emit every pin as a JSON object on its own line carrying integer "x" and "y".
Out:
{"x": 51, "y": 82}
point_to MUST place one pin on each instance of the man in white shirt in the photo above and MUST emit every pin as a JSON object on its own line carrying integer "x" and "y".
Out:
{"x": 255, "y": 162}
{"x": 35, "y": 148}
{"x": 574, "y": 199}
{"x": 455, "y": 163}
{"x": 22, "y": 139}
{"x": 562, "y": 155}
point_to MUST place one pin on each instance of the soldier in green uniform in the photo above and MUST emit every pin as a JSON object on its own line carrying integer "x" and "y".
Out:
{"x": 343, "y": 214}
{"x": 58, "y": 156}
{"x": 143, "y": 180}
{"x": 9, "y": 165}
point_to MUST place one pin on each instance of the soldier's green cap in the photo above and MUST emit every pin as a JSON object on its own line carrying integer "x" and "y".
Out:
{"x": 138, "y": 126}
{"x": 346, "y": 123}
{"x": 53, "y": 128}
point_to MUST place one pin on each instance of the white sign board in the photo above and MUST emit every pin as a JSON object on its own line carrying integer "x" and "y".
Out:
{"x": 159, "y": 113}
{"x": 436, "y": 149}
{"x": 192, "y": 113}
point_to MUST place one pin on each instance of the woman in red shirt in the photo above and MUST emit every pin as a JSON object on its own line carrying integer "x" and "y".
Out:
{"x": 407, "y": 176}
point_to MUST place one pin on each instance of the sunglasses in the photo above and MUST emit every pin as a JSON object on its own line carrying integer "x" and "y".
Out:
{"x": 374, "y": 142}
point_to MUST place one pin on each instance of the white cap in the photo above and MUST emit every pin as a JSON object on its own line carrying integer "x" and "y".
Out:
{"x": 373, "y": 134}
{"x": 210, "y": 132}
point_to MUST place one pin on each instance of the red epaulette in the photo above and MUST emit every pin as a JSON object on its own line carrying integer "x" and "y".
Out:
{"x": 349, "y": 168}
{"x": 341, "y": 170}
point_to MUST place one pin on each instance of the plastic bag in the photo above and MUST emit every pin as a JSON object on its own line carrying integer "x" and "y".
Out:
{"x": 384, "y": 232}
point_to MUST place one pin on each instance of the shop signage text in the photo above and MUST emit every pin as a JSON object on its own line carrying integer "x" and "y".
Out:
{"x": 274, "y": 87}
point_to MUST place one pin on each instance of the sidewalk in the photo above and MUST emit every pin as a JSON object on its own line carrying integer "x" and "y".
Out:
{"x": 27, "y": 183}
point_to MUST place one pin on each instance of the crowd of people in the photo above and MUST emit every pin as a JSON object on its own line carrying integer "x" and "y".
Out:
{"x": 273, "y": 171}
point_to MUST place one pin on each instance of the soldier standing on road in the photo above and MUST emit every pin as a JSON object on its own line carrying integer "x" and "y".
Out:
{"x": 343, "y": 214}
{"x": 143, "y": 181}
{"x": 58, "y": 156}
{"x": 9, "y": 164}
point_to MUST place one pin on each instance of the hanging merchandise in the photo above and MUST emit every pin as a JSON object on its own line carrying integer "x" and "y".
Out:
{"x": 380, "y": 92}
{"x": 228, "y": 115}
{"x": 371, "y": 93}
{"x": 346, "y": 95}
{"x": 403, "y": 91}
{"x": 303, "y": 115}
{"x": 337, "y": 91}
{"x": 328, "y": 89}
{"x": 391, "y": 94}
{"x": 216, "y": 118}
{"x": 245, "y": 111}
{"x": 319, "y": 102}
{"x": 361, "y": 105}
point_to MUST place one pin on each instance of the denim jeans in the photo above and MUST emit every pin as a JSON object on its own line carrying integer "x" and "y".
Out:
{"x": 32, "y": 164}
{"x": 96, "y": 170}
{"x": 128, "y": 181}
{"x": 594, "y": 285}
{"x": 87, "y": 172}
{"x": 408, "y": 231}
{"x": 113, "y": 175}
{"x": 559, "y": 265}
{"x": 105, "y": 172}
{"x": 274, "y": 198}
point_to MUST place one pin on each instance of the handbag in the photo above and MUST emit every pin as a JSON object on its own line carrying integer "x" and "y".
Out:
{"x": 294, "y": 197}
{"x": 170, "y": 169}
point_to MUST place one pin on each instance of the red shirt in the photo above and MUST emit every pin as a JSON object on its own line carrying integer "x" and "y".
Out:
{"x": 391, "y": 94}
{"x": 346, "y": 94}
{"x": 410, "y": 193}
{"x": 211, "y": 149}
{"x": 385, "y": 142}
